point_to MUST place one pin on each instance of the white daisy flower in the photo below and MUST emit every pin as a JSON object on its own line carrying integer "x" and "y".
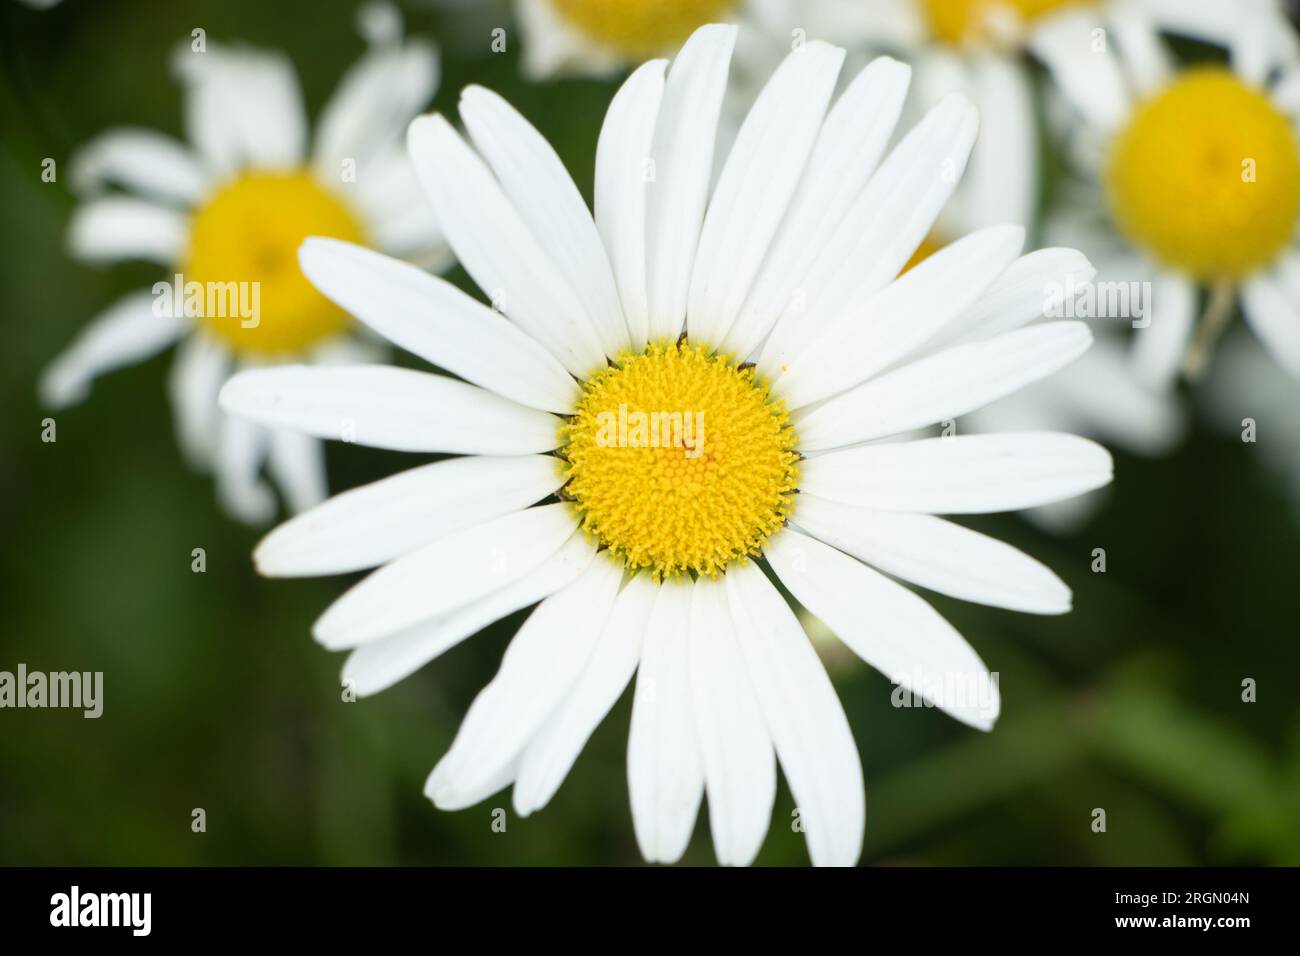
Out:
{"x": 227, "y": 213}
{"x": 648, "y": 554}
{"x": 1198, "y": 171}
{"x": 606, "y": 37}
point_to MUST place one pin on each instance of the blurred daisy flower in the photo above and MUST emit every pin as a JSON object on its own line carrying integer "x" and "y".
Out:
{"x": 1195, "y": 173}
{"x": 226, "y": 214}
{"x": 647, "y": 552}
{"x": 604, "y": 37}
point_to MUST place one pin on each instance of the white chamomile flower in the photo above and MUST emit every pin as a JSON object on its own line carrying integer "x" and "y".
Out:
{"x": 226, "y": 215}
{"x": 1197, "y": 171}
{"x": 647, "y": 552}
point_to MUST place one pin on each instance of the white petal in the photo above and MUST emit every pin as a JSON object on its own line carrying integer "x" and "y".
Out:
{"x": 380, "y": 664}
{"x": 398, "y": 218}
{"x": 886, "y": 223}
{"x": 1146, "y": 59}
{"x": 936, "y": 554}
{"x": 808, "y": 727}
{"x": 739, "y": 765}
{"x": 241, "y": 449}
{"x": 942, "y": 386}
{"x": 375, "y": 101}
{"x": 1001, "y": 181}
{"x": 297, "y": 464}
{"x": 118, "y": 227}
{"x": 898, "y": 319}
{"x": 126, "y": 333}
{"x": 141, "y": 161}
{"x": 683, "y": 162}
{"x": 1275, "y": 320}
{"x": 963, "y": 474}
{"x": 243, "y": 107}
{"x": 1037, "y": 285}
{"x": 541, "y": 190}
{"x": 551, "y": 754}
{"x": 197, "y": 373}
{"x": 622, "y": 187}
{"x": 1159, "y": 349}
{"x": 756, "y": 185}
{"x": 496, "y": 247}
{"x": 453, "y": 571}
{"x": 664, "y": 774}
{"x": 849, "y": 146}
{"x": 376, "y": 523}
{"x": 1089, "y": 76}
{"x": 541, "y": 665}
{"x": 387, "y": 407}
{"x": 888, "y": 626}
{"x": 436, "y": 321}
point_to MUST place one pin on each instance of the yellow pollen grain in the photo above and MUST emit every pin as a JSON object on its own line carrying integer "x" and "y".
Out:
{"x": 1206, "y": 176}
{"x": 639, "y": 29}
{"x": 672, "y": 509}
{"x": 249, "y": 231}
{"x": 966, "y": 21}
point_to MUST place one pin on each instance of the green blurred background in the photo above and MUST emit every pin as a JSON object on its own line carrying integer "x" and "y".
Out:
{"x": 216, "y": 697}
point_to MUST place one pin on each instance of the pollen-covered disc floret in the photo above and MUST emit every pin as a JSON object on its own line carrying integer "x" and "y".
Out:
{"x": 249, "y": 232}
{"x": 641, "y": 28}
{"x": 679, "y": 461}
{"x": 1206, "y": 176}
{"x": 967, "y": 21}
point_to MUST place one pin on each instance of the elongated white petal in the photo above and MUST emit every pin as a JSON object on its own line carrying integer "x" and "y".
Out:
{"x": 541, "y": 665}
{"x": 739, "y": 764}
{"x": 942, "y": 386}
{"x": 241, "y": 450}
{"x": 623, "y": 164}
{"x": 886, "y": 223}
{"x": 453, "y": 571}
{"x": 243, "y": 107}
{"x": 1088, "y": 75}
{"x": 197, "y": 372}
{"x": 373, "y": 104}
{"x": 965, "y": 474}
{"x": 802, "y": 713}
{"x": 936, "y": 554}
{"x": 374, "y": 524}
{"x": 898, "y": 319}
{"x": 380, "y": 664}
{"x": 551, "y": 754}
{"x": 125, "y": 333}
{"x": 433, "y": 319}
{"x": 848, "y": 149}
{"x": 141, "y": 161}
{"x": 496, "y": 247}
{"x": 664, "y": 774}
{"x": 682, "y": 163}
{"x": 297, "y": 464}
{"x": 756, "y": 185}
{"x": 1160, "y": 348}
{"x": 1041, "y": 284}
{"x": 1000, "y": 183}
{"x": 387, "y": 407}
{"x": 117, "y": 227}
{"x": 1275, "y": 319}
{"x": 541, "y": 190}
{"x": 888, "y": 626}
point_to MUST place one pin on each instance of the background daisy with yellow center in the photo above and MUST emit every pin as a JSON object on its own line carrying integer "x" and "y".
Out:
{"x": 226, "y": 215}
{"x": 769, "y": 301}
{"x": 1194, "y": 175}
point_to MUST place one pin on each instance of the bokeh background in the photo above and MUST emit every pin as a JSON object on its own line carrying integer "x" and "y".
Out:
{"x": 216, "y": 697}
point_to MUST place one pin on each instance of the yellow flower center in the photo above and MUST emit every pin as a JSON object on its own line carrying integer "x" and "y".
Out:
{"x": 679, "y": 462}
{"x": 1206, "y": 176}
{"x": 639, "y": 29}
{"x": 967, "y": 21}
{"x": 248, "y": 234}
